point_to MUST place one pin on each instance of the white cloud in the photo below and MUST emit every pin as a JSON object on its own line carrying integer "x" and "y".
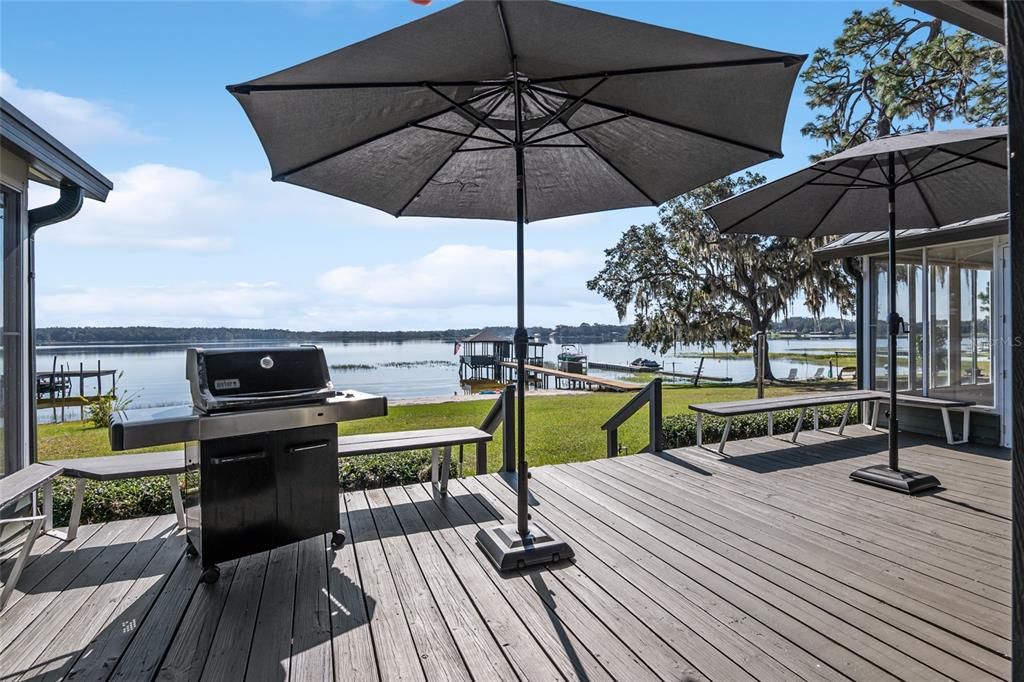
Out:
{"x": 74, "y": 121}
{"x": 152, "y": 206}
{"x": 459, "y": 274}
{"x": 192, "y": 304}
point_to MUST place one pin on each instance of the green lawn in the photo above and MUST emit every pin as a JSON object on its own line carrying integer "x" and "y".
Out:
{"x": 558, "y": 428}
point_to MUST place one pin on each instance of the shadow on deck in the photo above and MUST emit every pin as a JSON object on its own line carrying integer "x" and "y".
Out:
{"x": 768, "y": 563}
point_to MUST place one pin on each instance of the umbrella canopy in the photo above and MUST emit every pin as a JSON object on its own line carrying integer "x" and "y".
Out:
{"x": 941, "y": 177}
{"x": 420, "y": 120}
{"x": 920, "y": 180}
{"x": 521, "y": 111}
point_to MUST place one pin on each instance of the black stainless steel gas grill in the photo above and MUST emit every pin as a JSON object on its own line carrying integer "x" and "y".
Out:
{"x": 261, "y": 448}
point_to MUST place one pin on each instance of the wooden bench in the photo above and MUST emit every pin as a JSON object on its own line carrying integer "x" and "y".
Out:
{"x": 440, "y": 442}
{"x": 120, "y": 467}
{"x": 802, "y": 402}
{"x": 14, "y": 487}
{"x": 941, "y": 404}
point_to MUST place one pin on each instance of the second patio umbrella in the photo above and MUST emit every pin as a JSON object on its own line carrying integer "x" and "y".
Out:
{"x": 919, "y": 180}
{"x": 521, "y": 111}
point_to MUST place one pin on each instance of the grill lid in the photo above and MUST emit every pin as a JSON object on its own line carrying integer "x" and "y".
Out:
{"x": 225, "y": 379}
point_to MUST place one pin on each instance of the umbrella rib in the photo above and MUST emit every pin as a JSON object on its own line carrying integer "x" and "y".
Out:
{"x": 838, "y": 199}
{"x": 448, "y": 158}
{"x": 944, "y": 166}
{"x": 569, "y": 130}
{"x": 508, "y": 38}
{"x": 469, "y": 112}
{"x": 771, "y": 203}
{"x": 455, "y": 133}
{"x": 604, "y": 158}
{"x": 326, "y": 157}
{"x": 687, "y": 129}
{"x": 857, "y": 177}
{"x": 247, "y": 89}
{"x": 565, "y": 107}
{"x": 785, "y": 60}
{"x": 908, "y": 172}
{"x": 920, "y": 192}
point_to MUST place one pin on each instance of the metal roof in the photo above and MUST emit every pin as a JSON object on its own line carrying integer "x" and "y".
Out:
{"x": 491, "y": 336}
{"x": 50, "y": 161}
{"x": 871, "y": 243}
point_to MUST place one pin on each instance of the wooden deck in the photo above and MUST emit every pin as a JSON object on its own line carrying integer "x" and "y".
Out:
{"x": 768, "y": 564}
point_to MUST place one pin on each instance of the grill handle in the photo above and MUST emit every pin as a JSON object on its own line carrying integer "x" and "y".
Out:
{"x": 307, "y": 447}
{"x": 242, "y": 457}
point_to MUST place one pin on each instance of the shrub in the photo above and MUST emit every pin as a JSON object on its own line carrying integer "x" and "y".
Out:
{"x": 680, "y": 430}
{"x": 393, "y": 468}
{"x": 111, "y": 500}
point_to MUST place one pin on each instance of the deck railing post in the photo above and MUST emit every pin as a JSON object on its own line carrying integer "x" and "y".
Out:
{"x": 655, "y": 416}
{"x": 651, "y": 396}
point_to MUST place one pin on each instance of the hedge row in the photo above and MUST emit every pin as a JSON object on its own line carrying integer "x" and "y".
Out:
{"x": 680, "y": 430}
{"x": 111, "y": 500}
{"x": 149, "y": 496}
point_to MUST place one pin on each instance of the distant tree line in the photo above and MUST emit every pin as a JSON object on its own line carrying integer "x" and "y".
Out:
{"x": 810, "y": 325}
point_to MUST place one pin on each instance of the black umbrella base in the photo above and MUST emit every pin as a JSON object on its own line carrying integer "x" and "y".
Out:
{"x": 902, "y": 481}
{"x": 507, "y": 550}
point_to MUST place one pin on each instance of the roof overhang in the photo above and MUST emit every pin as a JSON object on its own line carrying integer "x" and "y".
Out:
{"x": 872, "y": 243}
{"x": 49, "y": 160}
{"x": 984, "y": 17}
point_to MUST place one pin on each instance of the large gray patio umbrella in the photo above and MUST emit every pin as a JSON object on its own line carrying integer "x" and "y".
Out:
{"x": 919, "y": 180}
{"x": 520, "y": 111}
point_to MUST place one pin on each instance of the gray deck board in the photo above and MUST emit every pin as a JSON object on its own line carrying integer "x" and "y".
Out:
{"x": 768, "y": 563}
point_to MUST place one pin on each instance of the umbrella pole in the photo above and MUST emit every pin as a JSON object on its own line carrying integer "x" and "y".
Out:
{"x": 895, "y": 322}
{"x": 891, "y": 476}
{"x": 522, "y": 346}
{"x": 523, "y": 544}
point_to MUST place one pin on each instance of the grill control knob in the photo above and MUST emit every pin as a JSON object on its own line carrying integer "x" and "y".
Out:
{"x": 267, "y": 362}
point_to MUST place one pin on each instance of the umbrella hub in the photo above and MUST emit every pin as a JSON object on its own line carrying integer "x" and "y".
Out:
{"x": 494, "y": 104}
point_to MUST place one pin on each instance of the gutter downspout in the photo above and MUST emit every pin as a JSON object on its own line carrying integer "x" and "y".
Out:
{"x": 67, "y": 206}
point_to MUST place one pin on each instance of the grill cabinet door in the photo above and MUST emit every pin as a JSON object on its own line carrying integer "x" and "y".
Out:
{"x": 306, "y": 466}
{"x": 239, "y": 505}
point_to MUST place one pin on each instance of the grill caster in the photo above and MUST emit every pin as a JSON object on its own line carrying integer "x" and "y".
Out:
{"x": 210, "y": 575}
{"x": 337, "y": 539}
{"x": 190, "y": 549}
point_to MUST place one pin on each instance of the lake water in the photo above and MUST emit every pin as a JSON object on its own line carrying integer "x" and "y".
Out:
{"x": 155, "y": 375}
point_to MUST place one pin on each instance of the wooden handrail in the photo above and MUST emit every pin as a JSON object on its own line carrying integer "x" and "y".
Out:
{"x": 502, "y": 413}
{"x": 651, "y": 394}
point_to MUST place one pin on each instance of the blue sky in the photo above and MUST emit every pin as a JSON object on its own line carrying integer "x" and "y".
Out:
{"x": 196, "y": 234}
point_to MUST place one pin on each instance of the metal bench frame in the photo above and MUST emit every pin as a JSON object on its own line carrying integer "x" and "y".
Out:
{"x": 439, "y": 442}
{"x": 38, "y": 523}
{"x": 965, "y": 435}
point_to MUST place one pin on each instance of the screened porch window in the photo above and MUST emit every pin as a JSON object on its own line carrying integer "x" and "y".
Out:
{"x": 944, "y": 296}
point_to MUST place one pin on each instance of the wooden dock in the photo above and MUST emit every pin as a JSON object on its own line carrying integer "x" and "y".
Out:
{"x": 662, "y": 372}
{"x": 583, "y": 381}
{"x": 767, "y": 565}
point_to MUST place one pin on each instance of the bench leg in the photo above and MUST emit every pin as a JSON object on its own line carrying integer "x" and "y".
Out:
{"x": 846, "y": 418}
{"x": 76, "y": 512}
{"x": 725, "y": 435}
{"x": 799, "y": 423}
{"x": 874, "y": 415}
{"x": 816, "y": 412}
{"x": 948, "y": 426}
{"x": 771, "y": 423}
{"x": 439, "y": 468}
{"x": 19, "y": 563}
{"x": 967, "y": 425}
{"x": 946, "y": 423}
{"x": 699, "y": 427}
{"x": 48, "y": 506}
{"x": 179, "y": 508}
